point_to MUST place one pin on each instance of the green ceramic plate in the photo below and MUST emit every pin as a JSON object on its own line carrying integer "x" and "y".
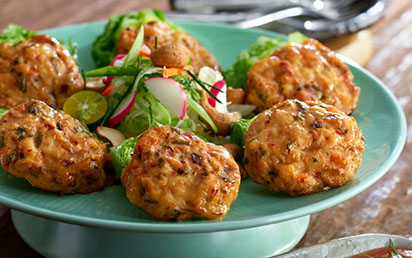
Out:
{"x": 378, "y": 115}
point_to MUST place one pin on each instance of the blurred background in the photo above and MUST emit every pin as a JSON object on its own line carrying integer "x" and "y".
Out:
{"x": 321, "y": 19}
{"x": 342, "y": 25}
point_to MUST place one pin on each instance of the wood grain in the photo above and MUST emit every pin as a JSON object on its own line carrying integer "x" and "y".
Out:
{"x": 386, "y": 207}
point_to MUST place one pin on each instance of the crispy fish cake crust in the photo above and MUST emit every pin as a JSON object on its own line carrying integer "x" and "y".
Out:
{"x": 200, "y": 56}
{"x": 307, "y": 71}
{"x": 302, "y": 147}
{"x": 51, "y": 150}
{"x": 37, "y": 68}
{"x": 175, "y": 175}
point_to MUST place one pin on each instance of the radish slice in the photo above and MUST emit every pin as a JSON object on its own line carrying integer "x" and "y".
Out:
{"x": 170, "y": 94}
{"x": 117, "y": 61}
{"x": 112, "y": 135}
{"x": 218, "y": 90}
{"x": 123, "y": 109}
{"x": 209, "y": 76}
{"x": 118, "y": 57}
{"x": 215, "y": 78}
{"x": 243, "y": 109}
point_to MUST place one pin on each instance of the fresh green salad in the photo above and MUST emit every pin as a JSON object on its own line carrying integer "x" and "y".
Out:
{"x": 143, "y": 96}
{"x": 3, "y": 111}
{"x": 103, "y": 49}
{"x": 13, "y": 34}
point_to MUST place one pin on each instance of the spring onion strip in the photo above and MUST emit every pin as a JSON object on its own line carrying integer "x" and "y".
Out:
{"x": 203, "y": 86}
{"x": 201, "y": 112}
{"x": 112, "y": 71}
{"x": 395, "y": 252}
{"x": 84, "y": 79}
{"x": 133, "y": 54}
{"x": 359, "y": 251}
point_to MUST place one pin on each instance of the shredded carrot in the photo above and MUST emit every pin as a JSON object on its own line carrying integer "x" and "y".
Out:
{"x": 144, "y": 53}
{"x": 108, "y": 90}
{"x": 167, "y": 72}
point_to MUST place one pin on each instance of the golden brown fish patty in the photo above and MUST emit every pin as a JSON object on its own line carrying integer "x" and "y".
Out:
{"x": 50, "y": 149}
{"x": 307, "y": 71}
{"x": 175, "y": 175}
{"x": 37, "y": 68}
{"x": 199, "y": 55}
{"x": 303, "y": 147}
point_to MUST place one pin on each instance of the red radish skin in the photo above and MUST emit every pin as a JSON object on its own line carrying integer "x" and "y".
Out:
{"x": 216, "y": 91}
{"x": 123, "y": 109}
{"x": 109, "y": 79}
{"x": 170, "y": 94}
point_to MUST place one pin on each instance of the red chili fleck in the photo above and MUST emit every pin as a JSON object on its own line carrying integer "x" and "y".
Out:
{"x": 272, "y": 145}
{"x": 188, "y": 135}
{"x": 173, "y": 173}
{"x": 215, "y": 191}
{"x": 50, "y": 127}
{"x": 29, "y": 150}
{"x": 303, "y": 179}
{"x": 267, "y": 121}
{"x": 338, "y": 132}
{"x": 153, "y": 165}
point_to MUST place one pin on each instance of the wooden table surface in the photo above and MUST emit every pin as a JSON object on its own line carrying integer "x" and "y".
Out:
{"x": 385, "y": 207}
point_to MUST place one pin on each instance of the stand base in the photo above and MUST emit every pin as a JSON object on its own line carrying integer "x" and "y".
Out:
{"x": 57, "y": 239}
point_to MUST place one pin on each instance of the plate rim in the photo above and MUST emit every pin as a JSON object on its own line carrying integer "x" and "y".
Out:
{"x": 218, "y": 225}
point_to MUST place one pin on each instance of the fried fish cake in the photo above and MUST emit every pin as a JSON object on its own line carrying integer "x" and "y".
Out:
{"x": 152, "y": 31}
{"x": 200, "y": 56}
{"x": 175, "y": 175}
{"x": 303, "y": 147}
{"x": 307, "y": 71}
{"x": 37, "y": 68}
{"x": 51, "y": 150}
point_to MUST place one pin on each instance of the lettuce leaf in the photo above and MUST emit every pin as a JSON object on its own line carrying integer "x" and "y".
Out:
{"x": 13, "y": 34}
{"x": 104, "y": 47}
{"x": 237, "y": 134}
{"x": 3, "y": 111}
{"x": 238, "y": 130}
{"x": 122, "y": 154}
{"x": 236, "y": 76}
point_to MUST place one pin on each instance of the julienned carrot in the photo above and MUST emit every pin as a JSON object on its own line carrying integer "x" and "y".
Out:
{"x": 108, "y": 90}
{"x": 167, "y": 72}
{"x": 144, "y": 53}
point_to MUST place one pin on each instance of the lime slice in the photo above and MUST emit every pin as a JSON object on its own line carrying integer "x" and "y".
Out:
{"x": 87, "y": 106}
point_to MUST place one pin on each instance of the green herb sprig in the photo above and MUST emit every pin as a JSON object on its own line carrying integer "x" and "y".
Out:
{"x": 359, "y": 251}
{"x": 204, "y": 86}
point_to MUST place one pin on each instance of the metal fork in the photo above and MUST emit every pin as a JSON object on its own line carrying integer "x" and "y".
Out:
{"x": 308, "y": 16}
